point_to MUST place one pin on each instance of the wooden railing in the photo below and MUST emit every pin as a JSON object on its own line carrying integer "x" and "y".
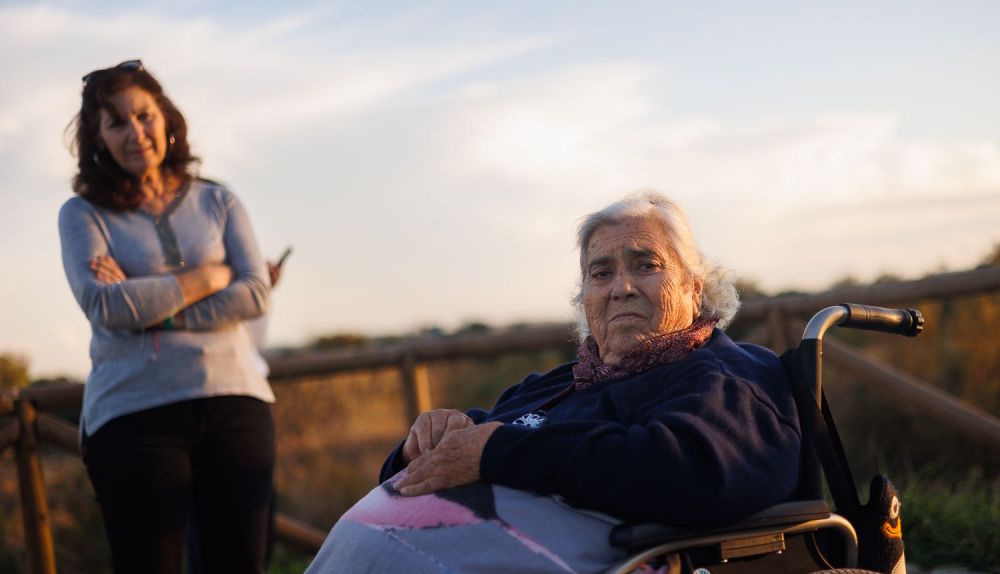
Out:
{"x": 25, "y": 415}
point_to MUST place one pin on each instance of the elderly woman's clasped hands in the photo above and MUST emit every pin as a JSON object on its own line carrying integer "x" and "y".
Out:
{"x": 443, "y": 449}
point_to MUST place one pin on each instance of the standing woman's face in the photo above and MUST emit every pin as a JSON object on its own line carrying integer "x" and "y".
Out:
{"x": 134, "y": 131}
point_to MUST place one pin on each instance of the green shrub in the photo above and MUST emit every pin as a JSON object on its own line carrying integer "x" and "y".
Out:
{"x": 287, "y": 561}
{"x": 956, "y": 523}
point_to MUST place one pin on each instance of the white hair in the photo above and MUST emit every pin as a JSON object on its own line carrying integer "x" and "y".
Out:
{"x": 719, "y": 298}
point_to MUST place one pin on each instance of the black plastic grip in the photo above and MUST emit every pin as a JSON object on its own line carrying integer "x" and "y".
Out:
{"x": 907, "y": 322}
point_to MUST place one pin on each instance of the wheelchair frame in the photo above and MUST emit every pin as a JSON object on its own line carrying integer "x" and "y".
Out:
{"x": 819, "y": 538}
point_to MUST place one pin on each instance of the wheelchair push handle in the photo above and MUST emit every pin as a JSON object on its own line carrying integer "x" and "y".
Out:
{"x": 908, "y": 322}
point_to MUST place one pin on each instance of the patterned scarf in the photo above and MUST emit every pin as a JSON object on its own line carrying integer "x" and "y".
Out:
{"x": 660, "y": 350}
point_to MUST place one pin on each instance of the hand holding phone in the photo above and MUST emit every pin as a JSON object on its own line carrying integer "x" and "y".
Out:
{"x": 274, "y": 269}
{"x": 284, "y": 256}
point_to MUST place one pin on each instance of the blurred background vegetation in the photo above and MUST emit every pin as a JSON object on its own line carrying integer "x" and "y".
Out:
{"x": 335, "y": 431}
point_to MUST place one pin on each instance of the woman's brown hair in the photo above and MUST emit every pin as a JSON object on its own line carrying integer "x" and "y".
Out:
{"x": 100, "y": 179}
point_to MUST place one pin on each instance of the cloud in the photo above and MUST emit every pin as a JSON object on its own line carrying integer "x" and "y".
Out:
{"x": 432, "y": 180}
{"x": 758, "y": 190}
{"x": 602, "y": 123}
{"x": 238, "y": 80}
{"x": 24, "y": 27}
{"x": 241, "y": 87}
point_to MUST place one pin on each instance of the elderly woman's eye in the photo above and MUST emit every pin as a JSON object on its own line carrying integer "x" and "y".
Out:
{"x": 649, "y": 265}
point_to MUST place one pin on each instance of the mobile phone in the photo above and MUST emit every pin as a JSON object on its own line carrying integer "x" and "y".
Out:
{"x": 284, "y": 255}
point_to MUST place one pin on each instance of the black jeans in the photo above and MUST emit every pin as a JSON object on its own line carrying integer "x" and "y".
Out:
{"x": 212, "y": 456}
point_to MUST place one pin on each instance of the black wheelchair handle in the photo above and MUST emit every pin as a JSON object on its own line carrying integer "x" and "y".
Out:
{"x": 908, "y": 322}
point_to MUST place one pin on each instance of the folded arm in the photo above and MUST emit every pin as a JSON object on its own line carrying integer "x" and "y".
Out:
{"x": 195, "y": 284}
{"x": 209, "y": 295}
{"x": 135, "y": 303}
{"x": 246, "y": 296}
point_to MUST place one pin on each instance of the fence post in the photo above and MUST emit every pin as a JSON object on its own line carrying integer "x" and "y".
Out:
{"x": 416, "y": 387}
{"x": 779, "y": 331}
{"x": 34, "y": 507}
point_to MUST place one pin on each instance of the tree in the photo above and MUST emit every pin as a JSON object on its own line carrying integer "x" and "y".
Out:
{"x": 13, "y": 371}
{"x": 993, "y": 258}
{"x": 339, "y": 341}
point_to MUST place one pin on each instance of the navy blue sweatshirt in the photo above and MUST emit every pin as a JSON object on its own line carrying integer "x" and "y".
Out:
{"x": 707, "y": 440}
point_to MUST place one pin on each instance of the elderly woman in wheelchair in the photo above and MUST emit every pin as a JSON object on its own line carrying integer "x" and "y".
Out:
{"x": 661, "y": 418}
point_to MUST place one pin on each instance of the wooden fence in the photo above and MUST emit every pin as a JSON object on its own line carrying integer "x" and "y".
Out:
{"x": 25, "y": 414}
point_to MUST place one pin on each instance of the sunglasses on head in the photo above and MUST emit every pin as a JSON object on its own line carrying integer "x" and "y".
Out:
{"x": 133, "y": 65}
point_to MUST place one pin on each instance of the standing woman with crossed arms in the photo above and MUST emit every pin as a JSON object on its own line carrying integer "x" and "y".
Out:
{"x": 176, "y": 416}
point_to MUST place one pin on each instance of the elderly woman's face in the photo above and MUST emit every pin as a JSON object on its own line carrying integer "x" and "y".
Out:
{"x": 634, "y": 287}
{"x": 134, "y": 131}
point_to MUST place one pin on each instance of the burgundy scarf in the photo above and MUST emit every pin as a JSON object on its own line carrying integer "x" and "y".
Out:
{"x": 660, "y": 350}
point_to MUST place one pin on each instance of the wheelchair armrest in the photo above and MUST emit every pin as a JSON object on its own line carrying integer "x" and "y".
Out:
{"x": 633, "y": 535}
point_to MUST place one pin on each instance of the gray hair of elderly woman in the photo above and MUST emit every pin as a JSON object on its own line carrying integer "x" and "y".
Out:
{"x": 719, "y": 298}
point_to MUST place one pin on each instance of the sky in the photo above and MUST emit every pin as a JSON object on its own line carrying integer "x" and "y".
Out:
{"x": 428, "y": 161}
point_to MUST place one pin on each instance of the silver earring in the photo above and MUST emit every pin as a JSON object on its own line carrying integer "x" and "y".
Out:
{"x": 171, "y": 140}
{"x": 97, "y": 158}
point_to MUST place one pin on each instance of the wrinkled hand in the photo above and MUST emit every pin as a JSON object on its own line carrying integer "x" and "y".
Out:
{"x": 429, "y": 428}
{"x": 454, "y": 461}
{"x": 273, "y": 273}
{"x": 106, "y": 270}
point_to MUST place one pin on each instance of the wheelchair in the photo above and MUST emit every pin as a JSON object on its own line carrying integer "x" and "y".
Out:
{"x": 804, "y": 534}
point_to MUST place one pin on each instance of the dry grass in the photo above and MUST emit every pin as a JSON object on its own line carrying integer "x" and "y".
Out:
{"x": 334, "y": 432}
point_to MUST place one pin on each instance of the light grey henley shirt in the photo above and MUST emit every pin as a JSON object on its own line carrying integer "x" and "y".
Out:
{"x": 136, "y": 367}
